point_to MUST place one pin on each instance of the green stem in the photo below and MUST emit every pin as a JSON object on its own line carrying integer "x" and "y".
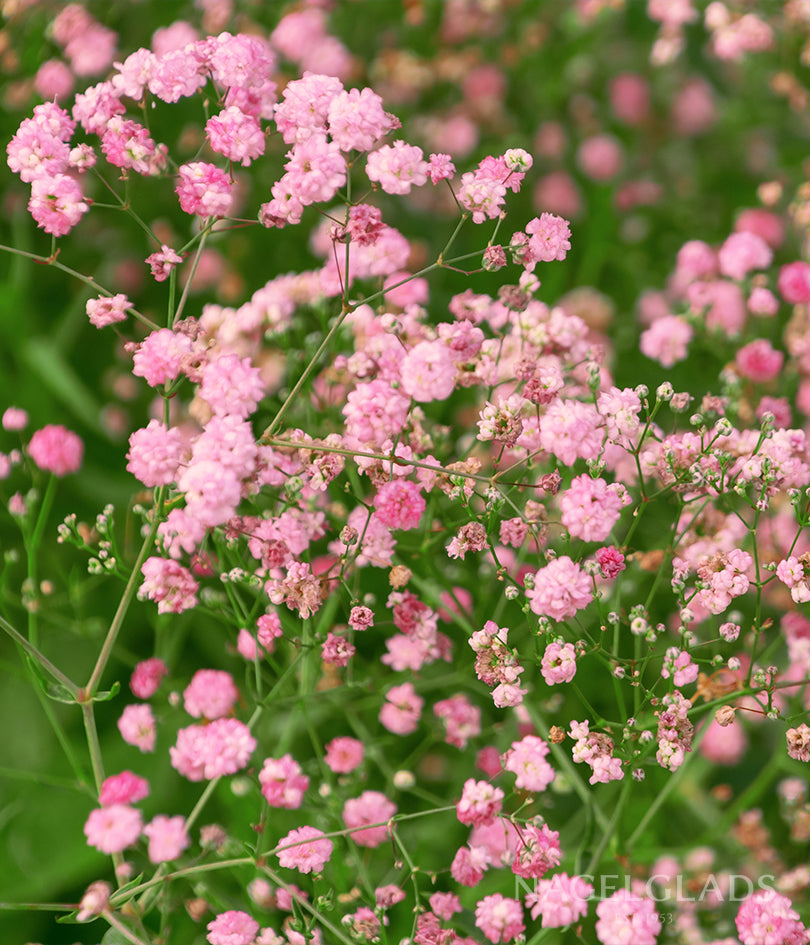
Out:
{"x": 123, "y": 607}
{"x": 40, "y": 658}
{"x": 609, "y": 831}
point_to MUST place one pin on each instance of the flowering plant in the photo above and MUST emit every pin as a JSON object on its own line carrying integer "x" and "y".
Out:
{"x": 431, "y": 603}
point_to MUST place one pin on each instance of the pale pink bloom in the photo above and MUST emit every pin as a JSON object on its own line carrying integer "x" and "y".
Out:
{"x": 627, "y": 919}
{"x": 397, "y": 167}
{"x": 160, "y": 356}
{"x": 590, "y": 507}
{"x": 232, "y": 928}
{"x": 315, "y": 169}
{"x": 300, "y": 590}
{"x": 600, "y": 157}
{"x": 231, "y": 386}
{"x": 549, "y": 239}
{"x": 268, "y": 630}
{"x": 375, "y": 412}
{"x": 371, "y": 807}
{"x": 337, "y": 650}
{"x": 678, "y": 664}
{"x": 178, "y": 74}
{"x": 137, "y": 726}
{"x": 107, "y": 310}
{"x": 155, "y": 453}
{"x": 162, "y": 263}
{"x": 462, "y": 719}
{"x": 361, "y": 618}
{"x": 720, "y": 303}
{"x": 204, "y": 752}
{"x": 480, "y": 803}
{"x": 559, "y": 663}
{"x": 695, "y": 260}
{"x": 123, "y": 788}
{"x": 204, "y": 190}
{"x": 37, "y": 151}
{"x": 428, "y": 372}
{"x": 167, "y": 837}
{"x": 759, "y": 361}
{"x": 537, "y": 851}
{"x": 561, "y": 588}
{"x": 211, "y": 694}
{"x": 14, "y": 418}
{"x": 527, "y": 760}
{"x": 54, "y": 80}
{"x": 212, "y": 492}
{"x": 399, "y": 504}
{"x": 469, "y": 865}
{"x": 768, "y": 918}
{"x": 445, "y": 905}
{"x": 356, "y": 119}
{"x": 499, "y": 918}
{"x": 508, "y": 695}
{"x": 94, "y": 107}
{"x": 630, "y": 98}
{"x": 127, "y": 144}
{"x": 723, "y": 745}
{"x": 440, "y": 167}
{"x": 134, "y": 73}
{"x": 571, "y": 430}
{"x": 171, "y": 586}
{"x": 560, "y": 900}
{"x": 305, "y": 105}
{"x": 402, "y": 709}
{"x": 236, "y": 135}
{"x": 674, "y": 731}
{"x": 743, "y": 252}
{"x": 471, "y": 537}
{"x": 305, "y": 849}
{"x": 798, "y": 742}
{"x": 620, "y": 408}
{"x": 57, "y": 203}
{"x": 482, "y": 196}
{"x": 344, "y": 754}
{"x": 114, "y": 828}
{"x": 56, "y": 449}
{"x": 146, "y": 677}
{"x": 666, "y": 340}
{"x": 95, "y": 901}
{"x": 283, "y": 783}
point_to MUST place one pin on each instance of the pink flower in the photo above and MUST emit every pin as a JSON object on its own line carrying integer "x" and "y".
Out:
{"x": 305, "y": 849}
{"x": 167, "y": 837}
{"x": 768, "y": 918}
{"x": 57, "y": 204}
{"x": 163, "y": 262}
{"x": 107, "y": 310}
{"x": 527, "y": 760}
{"x": 401, "y": 710}
{"x": 798, "y": 742}
{"x": 114, "y": 828}
{"x": 666, "y": 340}
{"x": 462, "y": 719}
{"x": 571, "y": 430}
{"x": 499, "y": 918}
{"x": 137, "y": 726}
{"x": 468, "y": 865}
{"x": 204, "y": 190}
{"x": 236, "y": 135}
{"x": 14, "y": 418}
{"x": 428, "y": 372}
{"x": 56, "y": 449}
{"x": 610, "y": 561}
{"x": 561, "y": 588}
{"x": 627, "y": 918}
{"x": 123, "y": 788}
{"x": 743, "y": 252}
{"x": 559, "y": 663}
{"x": 480, "y": 803}
{"x": 344, "y": 754}
{"x": 356, "y": 119}
{"x": 361, "y": 618}
{"x": 549, "y": 239}
{"x": 399, "y": 504}
{"x": 397, "y": 167}
{"x": 211, "y": 694}
{"x": 154, "y": 454}
{"x": 759, "y": 361}
{"x": 160, "y": 356}
{"x": 169, "y": 585}
{"x": 794, "y": 282}
{"x": 283, "y": 783}
{"x": 204, "y": 752}
{"x": 590, "y": 507}
{"x": 232, "y": 928}
{"x": 560, "y": 900}
{"x": 231, "y": 386}
{"x": 371, "y": 807}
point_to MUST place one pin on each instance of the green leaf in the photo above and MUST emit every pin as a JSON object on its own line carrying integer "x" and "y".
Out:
{"x": 52, "y": 689}
{"x": 110, "y": 694}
